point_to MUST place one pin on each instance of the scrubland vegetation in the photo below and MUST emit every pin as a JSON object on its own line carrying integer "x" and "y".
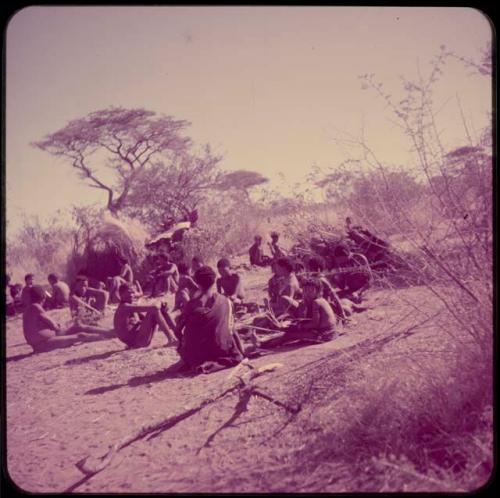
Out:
{"x": 414, "y": 418}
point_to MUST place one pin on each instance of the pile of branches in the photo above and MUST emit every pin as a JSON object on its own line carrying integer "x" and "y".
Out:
{"x": 388, "y": 265}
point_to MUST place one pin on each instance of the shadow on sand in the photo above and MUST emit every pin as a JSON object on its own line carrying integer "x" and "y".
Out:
{"x": 99, "y": 356}
{"x": 172, "y": 372}
{"x": 18, "y": 357}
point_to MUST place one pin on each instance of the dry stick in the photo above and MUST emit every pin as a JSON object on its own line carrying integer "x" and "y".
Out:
{"x": 91, "y": 465}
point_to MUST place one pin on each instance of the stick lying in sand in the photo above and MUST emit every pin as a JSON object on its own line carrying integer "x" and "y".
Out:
{"x": 91, "y": 465}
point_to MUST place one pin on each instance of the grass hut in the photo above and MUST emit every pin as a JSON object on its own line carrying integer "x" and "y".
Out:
{"x": 101, "y": 243}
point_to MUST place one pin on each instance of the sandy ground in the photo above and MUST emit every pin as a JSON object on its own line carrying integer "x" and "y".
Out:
{"x": 73, "y": 402}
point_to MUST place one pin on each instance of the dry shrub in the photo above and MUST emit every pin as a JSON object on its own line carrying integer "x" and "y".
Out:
{"x": 416, "y": 414}
{"x": 225, "y": 228}
{"x": 429, "y": 413}
{"x": 39, "y": 248}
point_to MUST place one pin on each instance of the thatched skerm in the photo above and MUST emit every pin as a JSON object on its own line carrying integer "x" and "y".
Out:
{"x": 110, "y": 240}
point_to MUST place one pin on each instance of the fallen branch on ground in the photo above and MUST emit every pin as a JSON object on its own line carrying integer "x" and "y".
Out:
{"x": 91, "y": 465}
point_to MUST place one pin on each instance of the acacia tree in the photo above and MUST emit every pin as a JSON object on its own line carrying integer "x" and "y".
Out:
{"x": 128, "y": 141}
{"x": 242, "y": 181}
{"x": 164, "y": 193}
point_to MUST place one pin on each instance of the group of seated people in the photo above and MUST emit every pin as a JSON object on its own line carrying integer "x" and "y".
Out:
{"x": 256, "y": 251}
{"x": 201, "y": 324}
{"x": 19, "y": 297}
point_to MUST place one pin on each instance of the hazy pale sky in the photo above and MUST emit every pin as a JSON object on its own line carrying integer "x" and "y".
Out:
{"x": 268, "y": 87}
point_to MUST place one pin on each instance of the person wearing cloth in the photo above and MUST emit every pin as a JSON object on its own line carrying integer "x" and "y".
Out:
{"x": 25, "y": 293}
{"x": 206, "y": 327}
{"x": 284, "y": 290}
{"x": 229, "y": 284}
{"x": 59, "y": 297}
{"x": 256, "y": 253}
{"x": 87, "y": 304}
{"x": 319, "y": 321}
{"x": 354, "y": 275}
{"x": 43, "y": 334}
{"x": 135, "y": 325}
{"x": 187, "y": 287}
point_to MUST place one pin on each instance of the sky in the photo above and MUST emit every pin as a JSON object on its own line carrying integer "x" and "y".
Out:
{"x": 269, "y": 88}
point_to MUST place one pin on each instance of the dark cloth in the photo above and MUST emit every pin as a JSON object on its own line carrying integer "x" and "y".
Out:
{"x": 208, "y": 331}
{"x": 355, "y": 279}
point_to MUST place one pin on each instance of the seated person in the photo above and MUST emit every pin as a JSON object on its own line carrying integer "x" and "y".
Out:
{"x": 354, "y": 273}
{"x": 10, "y": 309}
{"x": 43, "y": 334}
{"x": 126, "y": 276}
{"x": 126, "y": 271}
{"x": 25, "y": 293}
{"x": 256, "y": 253}
{"x": 320, "y": 321}
{"x": 229, "y": 284}
{"x": 113, "y": 285}
{"x": 187, "y": 287}
{"x": 277, "y": 252}
{"x": 316, "y": 268}
{"x": 87, "y": 304}
{"x": 135, "y": 324}
{"x": 206, "y": 326}
{"x": 59, "y": 297}
{"x": 165, "y": 276}
{"x": 284, "y": 288}
{"x": 15, "y": 292}
{"x": 196, "y": 264}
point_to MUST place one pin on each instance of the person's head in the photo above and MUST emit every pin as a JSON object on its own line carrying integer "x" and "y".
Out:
{"x": 205, "y": 277}
{"x": 348, "y": 221}
{"x": 341, "y": 254}
{"x": 15, "y": 290}
{"x": 52, "y": 278}
{"x": 183, "y": 268}
{"x": 315, "y": 265}
{"x": 126, "y": 293}
{"x": 29, "y": 278}
{"x": 258, "y": 240}
{"x": 283, "y": 267}
{"x": 196, "y": 263}
{"x": 298, "y": 267}
{"x": 81, "y": 285}
{"x": 311, "y": 288}
{"x": 37, "y": 294}
{"x": 224, "y": 266}
{"x": 275, "y": 236}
